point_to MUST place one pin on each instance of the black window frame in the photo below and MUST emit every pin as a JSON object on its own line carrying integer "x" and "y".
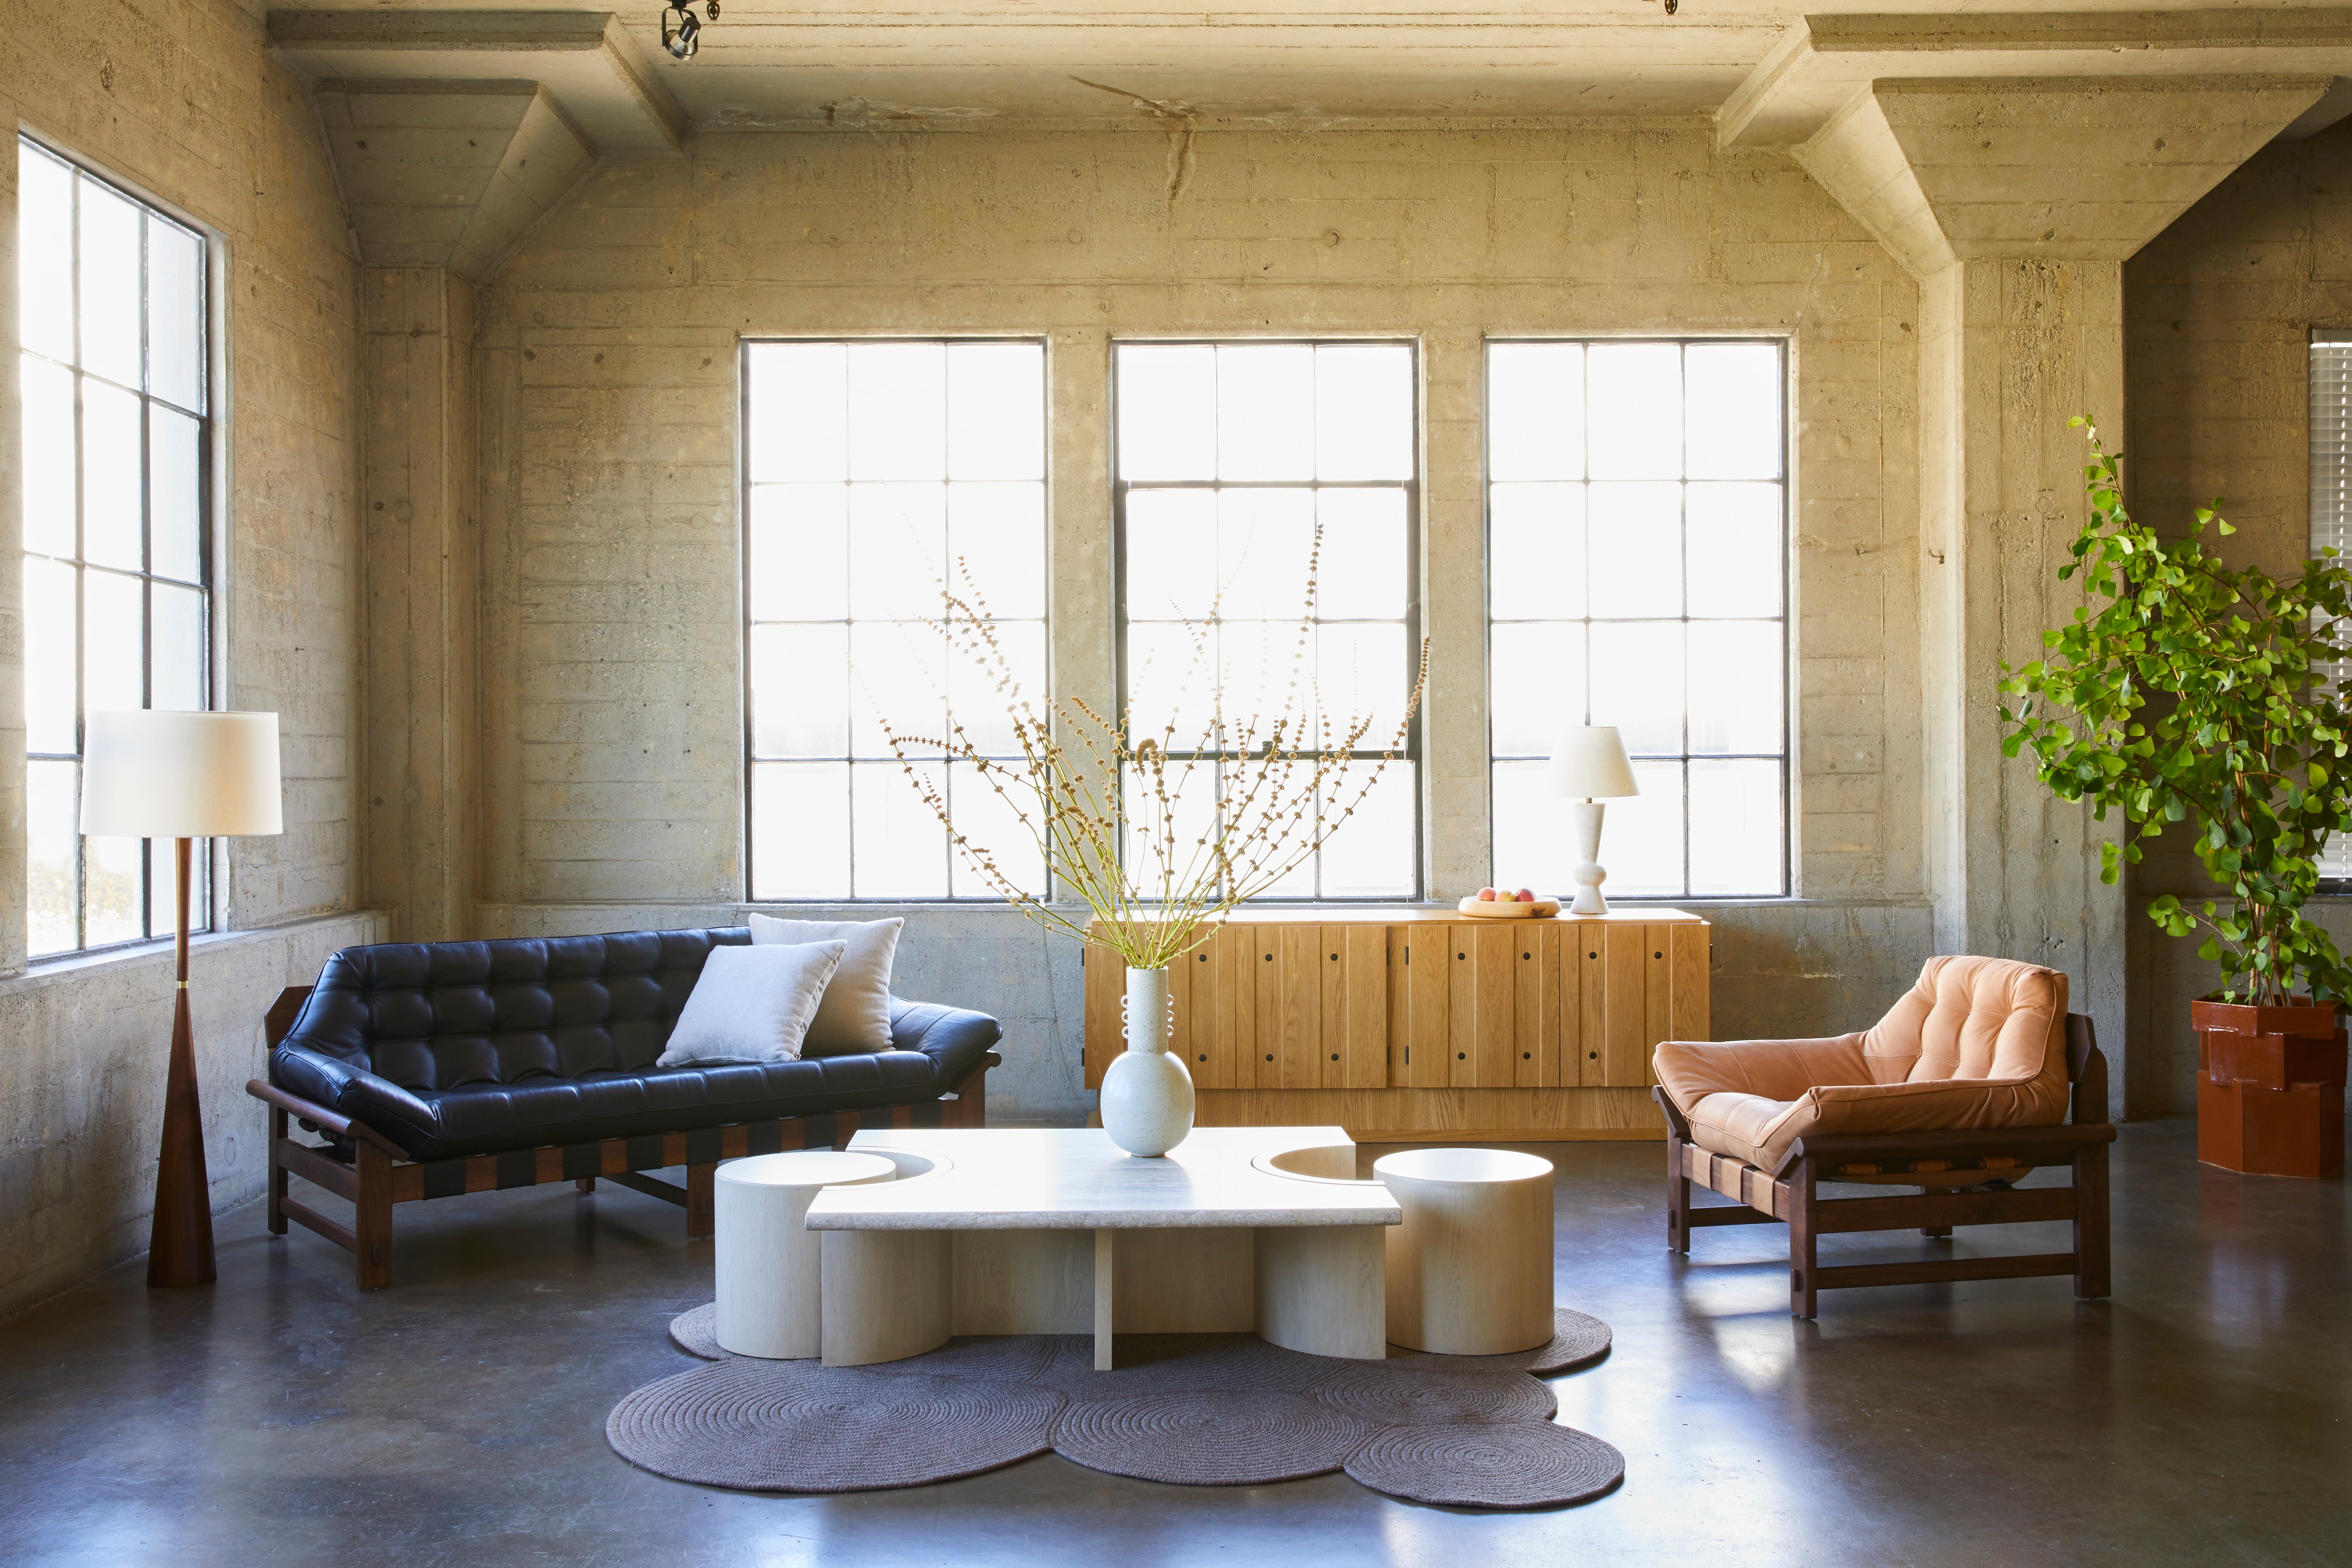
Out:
{"x": 744, "y": 485}
{"x": 152, "y": 900}
{"x": 1413, "y": 487}
{"x": 1786, "y": 617}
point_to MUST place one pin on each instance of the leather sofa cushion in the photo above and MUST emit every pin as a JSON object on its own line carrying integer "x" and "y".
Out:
{"x": 456, "y": 1048}
{"x": 1977, "y": 1043}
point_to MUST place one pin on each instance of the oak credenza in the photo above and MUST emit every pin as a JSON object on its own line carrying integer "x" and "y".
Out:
{"x": 1422, "y": 1024}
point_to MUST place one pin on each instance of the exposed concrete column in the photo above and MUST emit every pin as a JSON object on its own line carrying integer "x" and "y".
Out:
{"x": 2015, "y": 203}
{"x": 421, "y": 550}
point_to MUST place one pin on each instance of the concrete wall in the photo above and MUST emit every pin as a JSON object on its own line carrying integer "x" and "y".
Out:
{"x": 611, "y": 766}
{"x": 2219, "y": 311}
{"x": 184, "y": 104}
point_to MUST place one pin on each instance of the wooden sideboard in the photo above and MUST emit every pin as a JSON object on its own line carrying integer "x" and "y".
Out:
{"x": 1422, "y": 1024}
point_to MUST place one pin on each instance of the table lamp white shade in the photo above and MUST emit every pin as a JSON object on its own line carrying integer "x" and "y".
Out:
{"x": 1589, "y": 767}
{"x": 1589, "y": 764}
{"x": 161, "y": 773}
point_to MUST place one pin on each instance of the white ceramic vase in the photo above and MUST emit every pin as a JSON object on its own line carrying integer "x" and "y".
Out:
{"x": 1147, "y": 1095}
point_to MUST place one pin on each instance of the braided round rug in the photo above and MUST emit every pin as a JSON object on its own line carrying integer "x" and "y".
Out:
{"x": 1507, "y": 1465}
{"x": 1185, "y": 1409}
{"x": 1578, "y": 1340}
{"x": 798, "y": 1427}
{"x": 1210, "y": 1438}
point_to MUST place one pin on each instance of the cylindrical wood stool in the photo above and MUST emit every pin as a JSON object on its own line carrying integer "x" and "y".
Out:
{"x": 1470, "y": 1268}
{"x": 769, "y": 1279}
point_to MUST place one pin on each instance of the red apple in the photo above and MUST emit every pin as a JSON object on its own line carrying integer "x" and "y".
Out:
{"x": 1525, "y": 897}
{"x": 1487, "y": 895}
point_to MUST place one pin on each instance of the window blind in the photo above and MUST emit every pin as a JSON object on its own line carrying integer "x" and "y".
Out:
{"x": 2331, "y": 495}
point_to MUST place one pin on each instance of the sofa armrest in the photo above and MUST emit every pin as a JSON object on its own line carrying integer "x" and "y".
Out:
{"x": 953, "y": 1038}
{"x": 353, "y": 1093}
{"x": 330, "y": 1121}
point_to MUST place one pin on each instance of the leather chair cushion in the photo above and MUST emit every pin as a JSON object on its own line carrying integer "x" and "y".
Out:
{"x": 456, "y": 1048}
{"x": 1977, "y": 1043}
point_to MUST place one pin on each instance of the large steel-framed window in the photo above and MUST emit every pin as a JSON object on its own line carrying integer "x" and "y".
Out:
{"x": 1226, "y": 455}
{"x": 1637, "y": 575}
{"x": 118, "y": 600}
{"x": 877, "y": 473}
{"x": 2331, "y": 504}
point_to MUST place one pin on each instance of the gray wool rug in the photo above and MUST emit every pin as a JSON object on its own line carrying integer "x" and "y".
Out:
{"x": 1187, "y": 1409}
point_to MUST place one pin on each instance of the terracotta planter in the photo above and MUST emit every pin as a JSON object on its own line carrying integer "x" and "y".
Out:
{"x": 2270, "y": 1088}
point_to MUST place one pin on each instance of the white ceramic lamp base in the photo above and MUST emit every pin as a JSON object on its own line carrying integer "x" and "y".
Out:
{"x": 1588, "y": 875}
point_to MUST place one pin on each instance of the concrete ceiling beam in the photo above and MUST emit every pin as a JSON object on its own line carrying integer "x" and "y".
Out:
{"x": 2086, "y": 168}
{"x": 448, "y": 174}
{"x": 584, "y": 59}
{"x": 1825, "y": 62}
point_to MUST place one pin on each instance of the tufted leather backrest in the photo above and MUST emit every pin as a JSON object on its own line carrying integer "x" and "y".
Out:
{"x": 1975, "y": 1019}
{"x": 437, "y": 1015}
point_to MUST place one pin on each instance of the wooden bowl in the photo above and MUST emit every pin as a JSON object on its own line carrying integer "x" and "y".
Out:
{"x": 1494, "y": 909}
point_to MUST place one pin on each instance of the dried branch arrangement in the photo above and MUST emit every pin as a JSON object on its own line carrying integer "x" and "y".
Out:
{"x": 1086, "y": 787}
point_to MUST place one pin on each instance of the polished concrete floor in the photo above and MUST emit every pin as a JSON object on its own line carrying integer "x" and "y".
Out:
{"x": 2204, "y": 1416}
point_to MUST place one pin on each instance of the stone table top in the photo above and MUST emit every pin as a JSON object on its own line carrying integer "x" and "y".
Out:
{"x": 1074, "y": 1178}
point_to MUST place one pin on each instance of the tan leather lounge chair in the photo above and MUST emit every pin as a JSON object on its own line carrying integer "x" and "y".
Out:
{"x": 1964, "y": 1086}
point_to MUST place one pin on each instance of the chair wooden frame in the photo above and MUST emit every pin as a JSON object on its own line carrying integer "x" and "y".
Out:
{"x": 369, "y": 1171}
{"x": 1963, "y": 1175}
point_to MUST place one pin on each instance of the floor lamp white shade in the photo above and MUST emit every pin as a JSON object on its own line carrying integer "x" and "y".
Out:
{"x": 1589, "y": 767}
{"x": 162, "y": 773}
{"x": 159, "y": 773}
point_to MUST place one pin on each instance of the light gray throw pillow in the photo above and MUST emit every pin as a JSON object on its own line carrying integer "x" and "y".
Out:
{"x": 751, "y": 1005}
{"x": 855, "y": 1013}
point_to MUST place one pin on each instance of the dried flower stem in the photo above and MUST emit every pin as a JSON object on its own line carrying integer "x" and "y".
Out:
{"x": 1286, "y": 793}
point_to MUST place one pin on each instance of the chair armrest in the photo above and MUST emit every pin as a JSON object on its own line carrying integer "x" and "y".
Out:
{"x": 319, "y": 1116}
{"x": 1775, "y": 1069}
{"x": 2022, "y": 1143}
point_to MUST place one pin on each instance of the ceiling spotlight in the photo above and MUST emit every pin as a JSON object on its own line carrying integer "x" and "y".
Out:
{"x": 684, "y": 35}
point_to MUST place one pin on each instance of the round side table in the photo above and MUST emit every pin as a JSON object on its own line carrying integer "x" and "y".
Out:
{"x": 1469, "y": 1271}
{"x": 768, "y": 1283}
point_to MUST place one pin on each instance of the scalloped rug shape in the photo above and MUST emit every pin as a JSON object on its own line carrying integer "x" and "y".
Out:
{"x": 1184, "y": 1409}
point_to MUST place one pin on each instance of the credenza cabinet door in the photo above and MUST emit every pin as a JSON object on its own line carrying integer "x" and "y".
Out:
{"x": 1272, "y": 1004}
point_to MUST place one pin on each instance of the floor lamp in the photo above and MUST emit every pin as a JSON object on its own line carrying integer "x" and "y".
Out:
{"x": 153, "y": 773}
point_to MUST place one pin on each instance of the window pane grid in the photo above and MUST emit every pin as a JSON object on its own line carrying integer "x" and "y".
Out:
{"x": 1226, "y": 455}
{"x": 118, "y": 601}
{"x": 878, "y": 475}
{"x": 1637, "y": 576}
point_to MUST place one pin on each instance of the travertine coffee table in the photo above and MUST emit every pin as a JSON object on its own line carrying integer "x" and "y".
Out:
{"x": 1055, "y": 1231}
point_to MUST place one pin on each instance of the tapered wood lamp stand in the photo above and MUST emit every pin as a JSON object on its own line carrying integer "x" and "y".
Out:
{"x": 180, "y": 1245}
{"x": 152, "y": 774}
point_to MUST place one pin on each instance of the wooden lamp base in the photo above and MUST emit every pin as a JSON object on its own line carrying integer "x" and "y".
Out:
{"x": 180, "y": 1245}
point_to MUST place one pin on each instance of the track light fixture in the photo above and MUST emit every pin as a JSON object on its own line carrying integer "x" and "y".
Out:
{"x": 683, "y": 36}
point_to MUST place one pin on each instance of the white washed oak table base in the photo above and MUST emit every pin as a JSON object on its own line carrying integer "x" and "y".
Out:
{"x": 1055, "y": 1231}
{"x": 1470, "y": 1270}
{"x": 767, "y": 1264}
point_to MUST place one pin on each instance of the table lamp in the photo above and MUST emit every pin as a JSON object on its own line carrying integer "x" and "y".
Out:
{"x": 155, "y": 773}
{"x": 1589, "y": 767}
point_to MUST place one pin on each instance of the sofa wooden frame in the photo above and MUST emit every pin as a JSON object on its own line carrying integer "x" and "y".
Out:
{"x": 369, "y": 1171}
{"x": 1964, "y": 1177}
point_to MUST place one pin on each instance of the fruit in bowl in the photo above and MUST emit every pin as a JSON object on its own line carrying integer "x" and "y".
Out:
{"x": 1508, "y": 902}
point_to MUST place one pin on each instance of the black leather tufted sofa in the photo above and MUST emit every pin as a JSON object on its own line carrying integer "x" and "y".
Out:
{"x": 438, "y": 1069}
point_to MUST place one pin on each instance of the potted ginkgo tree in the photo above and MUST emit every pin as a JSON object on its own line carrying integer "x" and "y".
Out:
{"x": 2192, "y": 695}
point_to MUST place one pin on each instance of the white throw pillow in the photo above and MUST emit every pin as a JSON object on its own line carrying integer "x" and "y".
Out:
{"x": 855, "y": 1013}
{"x": 751, "y": 1005}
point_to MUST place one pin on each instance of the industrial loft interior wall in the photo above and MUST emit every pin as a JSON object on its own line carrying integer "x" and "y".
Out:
{"x": 185, "y": 106}
{"x": 478, "y": 492}
{"x": 2220, "y": 308}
